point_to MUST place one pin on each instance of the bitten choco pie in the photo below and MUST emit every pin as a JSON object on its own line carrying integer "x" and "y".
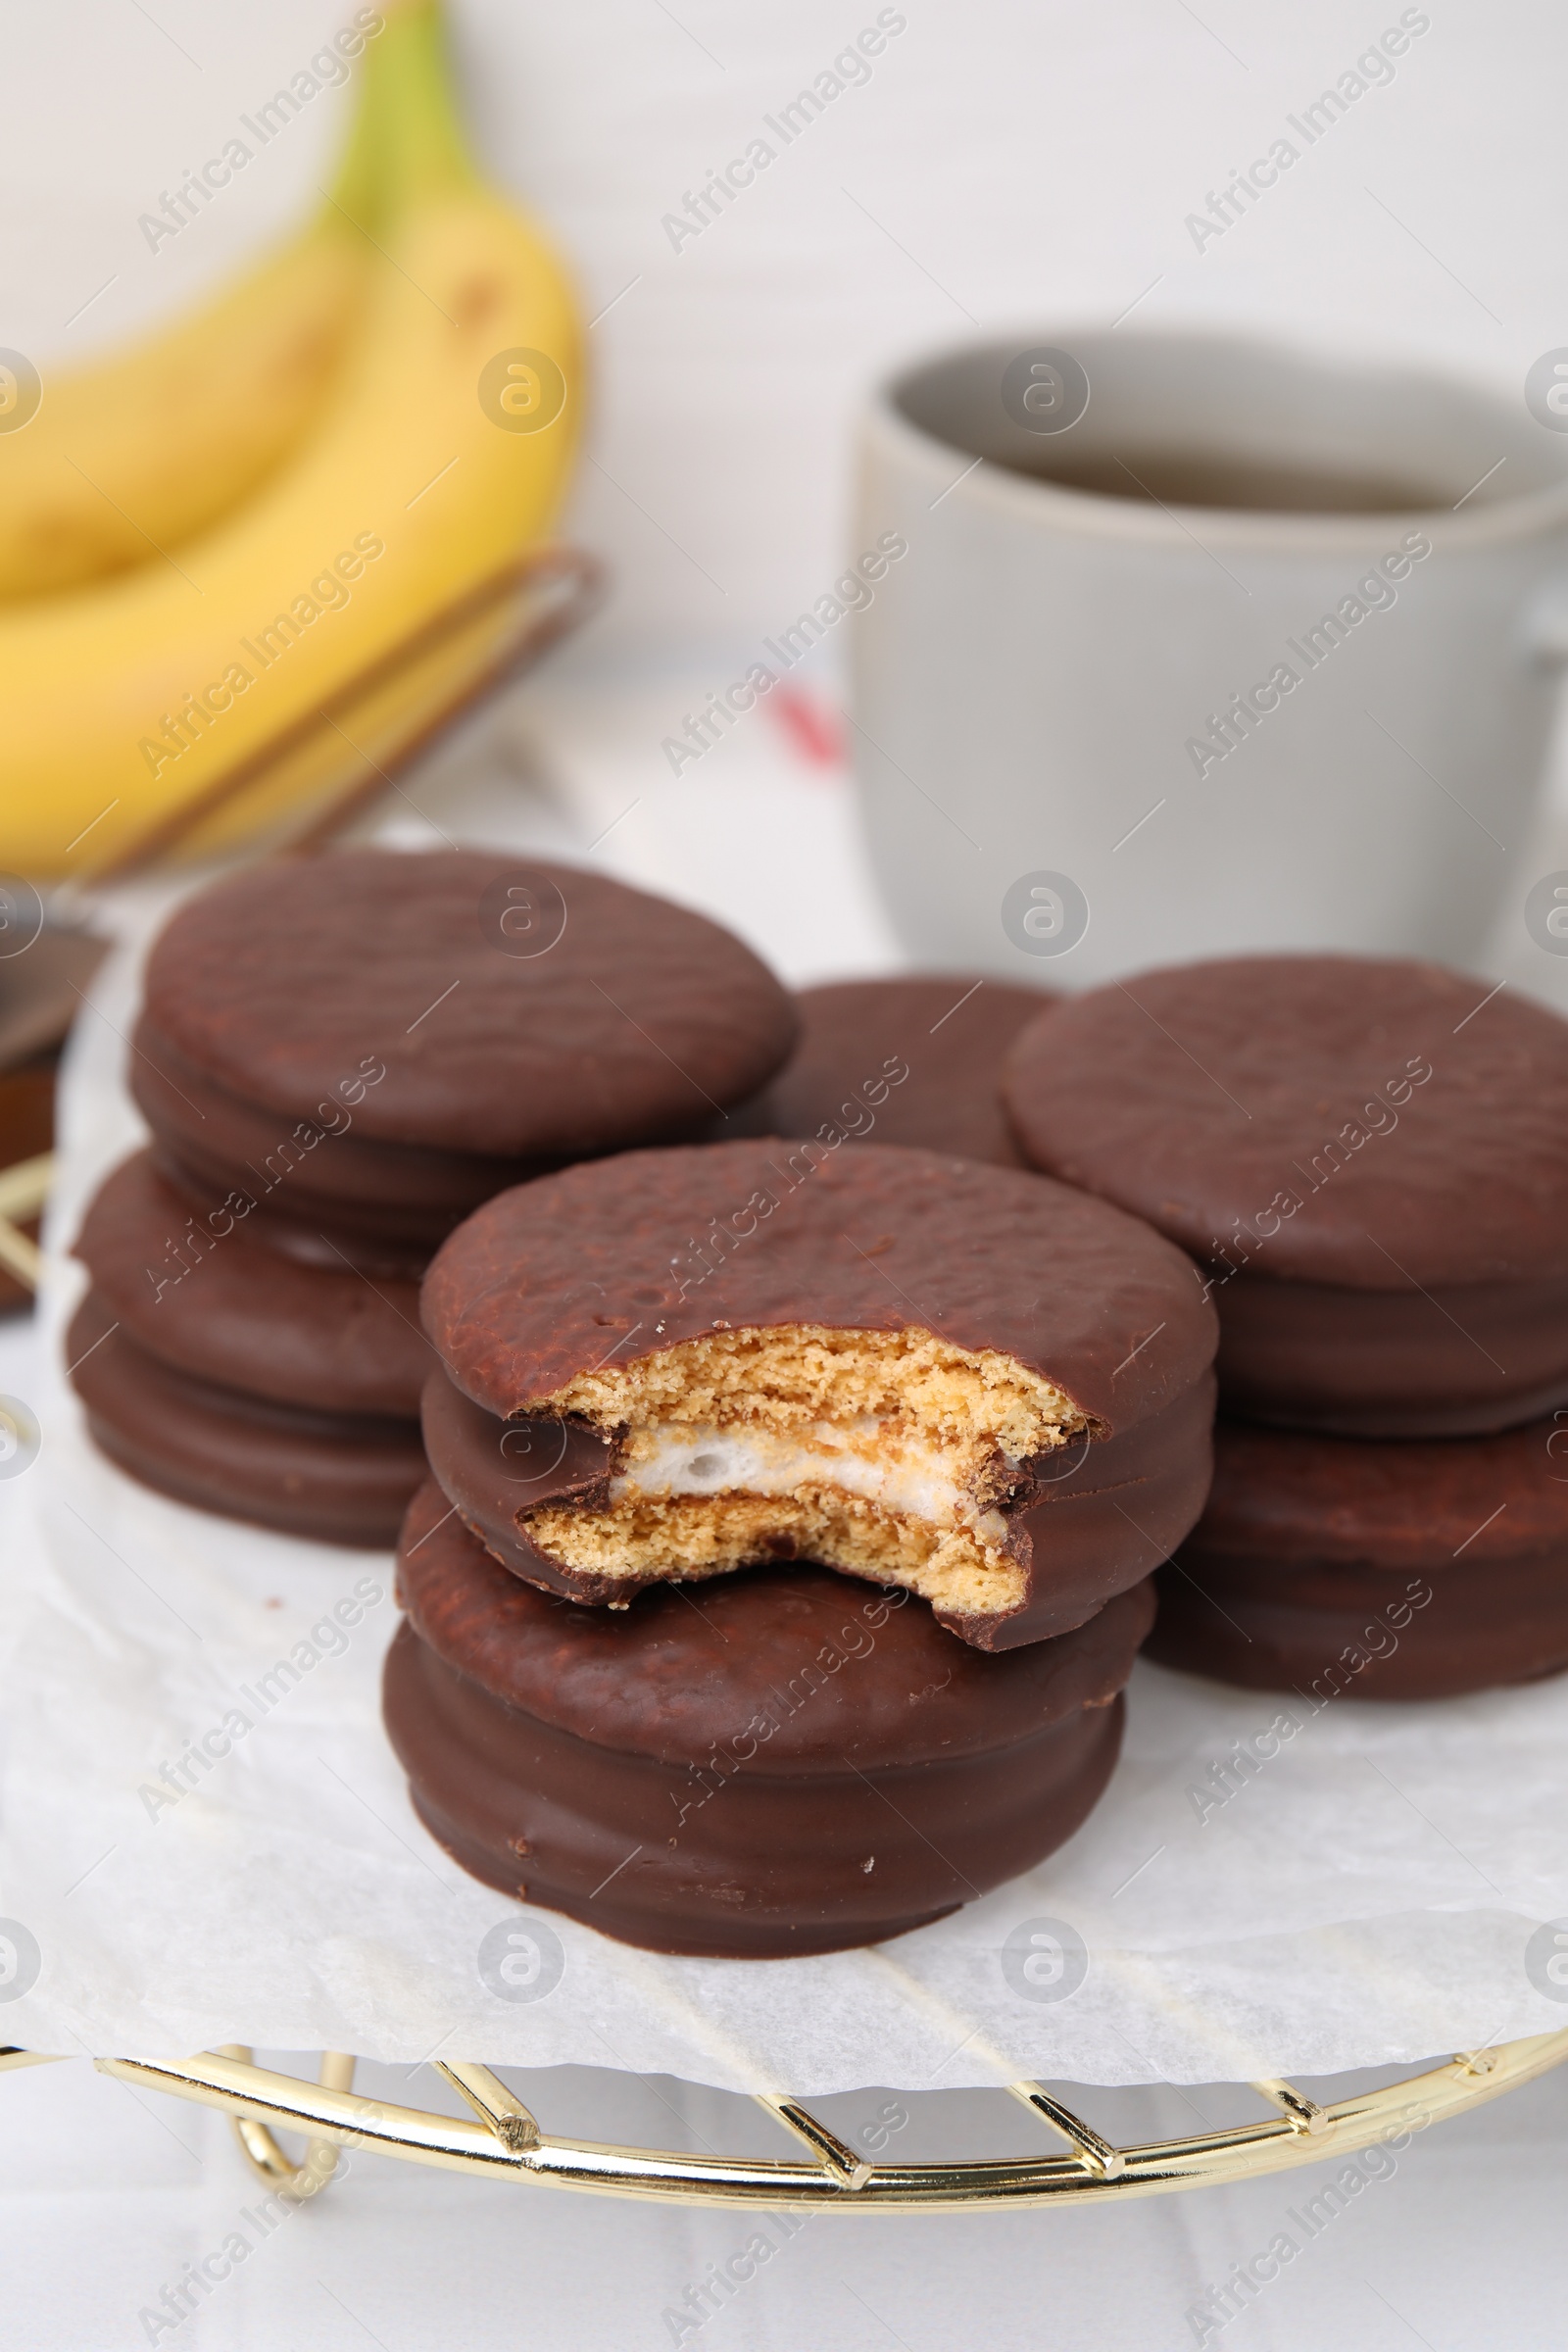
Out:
{"x": 962, "y": 1380}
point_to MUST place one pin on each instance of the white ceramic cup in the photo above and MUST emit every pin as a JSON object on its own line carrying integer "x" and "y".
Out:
{"x": 1076, "y": 749}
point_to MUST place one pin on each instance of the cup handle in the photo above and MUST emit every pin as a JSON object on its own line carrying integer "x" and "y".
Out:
{"x": 1545, "y": 624}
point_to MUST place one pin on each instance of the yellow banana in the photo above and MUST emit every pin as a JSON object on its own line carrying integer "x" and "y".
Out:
{"x": 441, "y": 454}
{"x": 138, "y": 454}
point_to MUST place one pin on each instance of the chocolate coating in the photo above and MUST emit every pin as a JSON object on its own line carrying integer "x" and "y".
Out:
{"x": 948, "y": 1032}
{"x": 314, "y": 1171}
{"x": 730, "y": 1772}
{"x": 189, "y": 1286}
{"x": 335, "y": 1478}
{"x": 1092, "y": 1523}
{"x": 275, "y": 996}
{"x": 1443, "y": 1566}
{"x": 551, "y": 1279}
{"x": 1271, "y": 1113}
{"x": 1458, "y": 1362}
{"x": 1189, "y": 1096}
{"x": 541, "y": 1283}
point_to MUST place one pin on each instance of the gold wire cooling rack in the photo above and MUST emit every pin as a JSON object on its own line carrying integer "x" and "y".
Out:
{"x": 504, "y": 2138}
{"x": 24, "y": 1190}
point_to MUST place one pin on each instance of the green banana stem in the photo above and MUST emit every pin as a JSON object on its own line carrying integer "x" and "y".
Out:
{"x": 356, "y": 188}
{"x": 408, "y": 139}
{"x": 409, "y": 92}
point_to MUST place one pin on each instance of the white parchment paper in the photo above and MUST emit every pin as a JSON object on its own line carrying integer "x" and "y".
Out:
{"x": 1372, "y": 1891}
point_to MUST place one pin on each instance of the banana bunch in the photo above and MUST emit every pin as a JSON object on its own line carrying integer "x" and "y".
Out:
{"x": 399, "y": 434}
{"x": 148, "y": 448}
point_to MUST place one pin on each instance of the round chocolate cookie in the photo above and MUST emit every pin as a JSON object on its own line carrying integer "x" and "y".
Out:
{"x": 962, "y": 1380}
{"x": 386, "y": 1039}
{"x": 1382, "y": 1570}
{"x": 915, "y": 1059}
{"x": 801, "y": 1765}
{"x": 1371, "y": 1156}
{"x": 189, "y": 1286}
{"x": 337, "y": 1478}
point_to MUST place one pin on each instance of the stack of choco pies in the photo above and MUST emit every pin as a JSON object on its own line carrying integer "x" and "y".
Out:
{"x": 339, "y": 1057}
{"x": 1370, "y": 1159}
{"x": 789, "y": 1539}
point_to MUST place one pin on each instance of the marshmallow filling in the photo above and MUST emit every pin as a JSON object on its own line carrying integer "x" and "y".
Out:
{"x": 893, "y": 1455}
